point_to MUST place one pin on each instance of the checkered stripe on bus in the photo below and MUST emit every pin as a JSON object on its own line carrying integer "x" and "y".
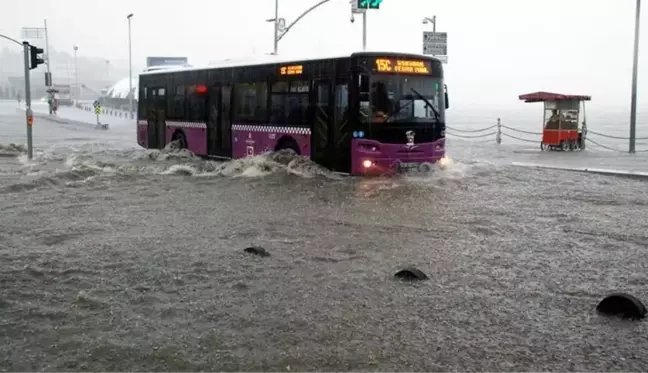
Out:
{"x": 272, "y": 129}
{"x": 186, "y": 124}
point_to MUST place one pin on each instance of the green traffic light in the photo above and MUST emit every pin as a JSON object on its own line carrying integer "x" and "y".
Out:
{"x": 369, "y": 4}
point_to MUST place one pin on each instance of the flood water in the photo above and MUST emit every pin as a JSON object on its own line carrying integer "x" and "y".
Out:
{"x": 114, "y": 258}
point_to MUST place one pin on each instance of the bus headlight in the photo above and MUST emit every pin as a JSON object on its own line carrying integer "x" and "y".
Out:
{"x": 367, "y": 163}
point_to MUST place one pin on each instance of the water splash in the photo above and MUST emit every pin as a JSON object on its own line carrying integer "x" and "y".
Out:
{"x": 12, "y": 148}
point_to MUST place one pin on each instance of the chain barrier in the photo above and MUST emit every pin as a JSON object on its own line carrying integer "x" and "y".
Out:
{"x": 522, "y": 131}
{"x": 519, "y": 138}
{"x": 613, "y": 149}
{"x": 472, "y": 131}
{"x": 601, "y": 145}
{"x": 499, "y": 133}
{"x": 472, "y": 136}
{"x": 614, "y": 137}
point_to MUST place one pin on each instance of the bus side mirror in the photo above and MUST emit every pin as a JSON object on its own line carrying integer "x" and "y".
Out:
{"x": 446, "y": 99}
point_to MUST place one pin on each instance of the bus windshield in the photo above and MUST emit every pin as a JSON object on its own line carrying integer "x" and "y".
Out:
{"x": 402, "y": 98}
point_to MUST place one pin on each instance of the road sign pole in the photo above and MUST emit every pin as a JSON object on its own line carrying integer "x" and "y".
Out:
{"x": 364, "y": 30}
{"x": 29, "y": 116}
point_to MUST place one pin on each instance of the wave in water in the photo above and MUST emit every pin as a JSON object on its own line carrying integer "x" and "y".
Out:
{"x": 51, "y": 169}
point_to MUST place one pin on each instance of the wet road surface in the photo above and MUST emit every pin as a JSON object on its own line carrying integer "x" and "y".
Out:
{"x": 115, "y": 258}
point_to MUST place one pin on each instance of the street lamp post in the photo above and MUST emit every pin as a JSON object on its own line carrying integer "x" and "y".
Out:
{"x": 76, "y": 74}
{"x": 108, "y": 71}
{"x": 432, "y": 20}
{"x": 635, "y": 68}
{"x": 49, "y": 73}
{"x": 276, "y": 28}
{"x": 280, "y": 28}
{"x": 130, "y": 66}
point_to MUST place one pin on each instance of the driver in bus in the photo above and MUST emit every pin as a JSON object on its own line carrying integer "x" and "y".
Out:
{"x": 382, "y": 105}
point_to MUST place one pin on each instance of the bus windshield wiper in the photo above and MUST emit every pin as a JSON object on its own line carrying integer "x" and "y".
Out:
{"x": 437, "y": 116}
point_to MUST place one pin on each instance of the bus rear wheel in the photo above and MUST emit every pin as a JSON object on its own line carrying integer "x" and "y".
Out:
{"x": 180, "y": 139}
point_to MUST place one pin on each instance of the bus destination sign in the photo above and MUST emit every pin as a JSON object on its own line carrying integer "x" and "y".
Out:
{"x": 292, "y": 70}
{"x": 395, "y": 65}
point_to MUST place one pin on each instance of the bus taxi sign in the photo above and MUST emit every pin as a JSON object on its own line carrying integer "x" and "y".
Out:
{"x": 292, "y": 70}
{"x": 394, "y": 65}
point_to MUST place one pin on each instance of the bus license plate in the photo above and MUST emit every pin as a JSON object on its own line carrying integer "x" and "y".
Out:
{"x": 405, "y": 166}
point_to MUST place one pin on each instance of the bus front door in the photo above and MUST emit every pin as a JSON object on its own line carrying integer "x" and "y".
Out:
{"x": 219, "y": 139}
{"x": 321, "y": 120}
{"x": 342, "y": 126}
{"x": 331, "y": 130}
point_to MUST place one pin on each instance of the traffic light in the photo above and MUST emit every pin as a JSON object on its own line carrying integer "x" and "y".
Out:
{"x": 369, "y": 4}
{"x": 35, "y": 59}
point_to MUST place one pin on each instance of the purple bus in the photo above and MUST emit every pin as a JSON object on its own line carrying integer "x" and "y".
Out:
{"x": 365, "y": 113}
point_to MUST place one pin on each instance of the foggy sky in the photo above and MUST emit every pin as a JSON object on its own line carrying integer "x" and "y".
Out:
{"x": 498, "y": 49}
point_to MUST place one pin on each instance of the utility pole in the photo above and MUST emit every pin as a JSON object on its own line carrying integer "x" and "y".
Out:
{"x": 635, "y": 68}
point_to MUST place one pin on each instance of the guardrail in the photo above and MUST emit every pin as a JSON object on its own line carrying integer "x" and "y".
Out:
{"x": 499, "y": 130}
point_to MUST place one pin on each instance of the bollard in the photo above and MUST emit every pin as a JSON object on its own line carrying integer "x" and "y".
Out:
{"x": 255, "y": 250}
{"x": 498, "y": 135}
{"x": 411, "y": 274}
{"x": 622, "y": 304}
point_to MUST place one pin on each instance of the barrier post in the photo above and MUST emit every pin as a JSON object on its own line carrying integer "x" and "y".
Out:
{"x": 498, "y": 135}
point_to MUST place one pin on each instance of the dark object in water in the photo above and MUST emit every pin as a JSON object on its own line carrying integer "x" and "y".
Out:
{"x": 411, "y": 274}
{"x": 621, "y": 304}
{"x": 257, "y": 251}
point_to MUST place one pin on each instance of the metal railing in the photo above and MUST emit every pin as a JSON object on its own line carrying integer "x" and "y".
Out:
{"x": 496, "y": 132}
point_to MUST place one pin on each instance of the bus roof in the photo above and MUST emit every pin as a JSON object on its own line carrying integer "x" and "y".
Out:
{"x": 270, "y": 59}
